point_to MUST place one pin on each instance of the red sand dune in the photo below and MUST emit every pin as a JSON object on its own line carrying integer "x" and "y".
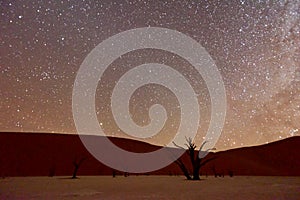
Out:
{"x": 33, "y": 154}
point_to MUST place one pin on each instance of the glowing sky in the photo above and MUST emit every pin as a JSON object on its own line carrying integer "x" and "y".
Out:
{"x": 256, "y": 47}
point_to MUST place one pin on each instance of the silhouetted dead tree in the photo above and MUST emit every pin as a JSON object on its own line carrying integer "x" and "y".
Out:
{"x": 77, "y": 163}
{"x": 196, "y": 161}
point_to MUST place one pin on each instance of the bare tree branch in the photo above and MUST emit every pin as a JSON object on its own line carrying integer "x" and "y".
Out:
{"x": 196, "y": 161}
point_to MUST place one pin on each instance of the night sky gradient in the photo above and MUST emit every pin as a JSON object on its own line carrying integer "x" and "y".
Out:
{"x": 255, "y": 45}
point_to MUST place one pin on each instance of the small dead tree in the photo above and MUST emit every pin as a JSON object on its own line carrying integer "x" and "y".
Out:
{"x": 77, "y": 163}
{"x": 52, "y": 171}
{"x": 114, "y": 173}
{"x": 196, "y": 159}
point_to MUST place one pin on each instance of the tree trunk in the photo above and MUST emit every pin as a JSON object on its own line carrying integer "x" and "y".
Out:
{"x": 75, "y": 171}
{"x": 77, "y": 164}
{"x": 196, "y": 169}
{"x": 186, "y": 174}
{"x": 183, "y": 169}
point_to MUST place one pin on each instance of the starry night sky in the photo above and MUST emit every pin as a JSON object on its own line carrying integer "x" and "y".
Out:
{"x": 255, "y": 45}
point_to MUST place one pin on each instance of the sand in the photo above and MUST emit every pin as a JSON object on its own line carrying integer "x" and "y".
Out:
{"x": 150, "y": 187}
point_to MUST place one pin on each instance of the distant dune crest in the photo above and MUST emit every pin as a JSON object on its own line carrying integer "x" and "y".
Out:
{"x": 33, "y": 154}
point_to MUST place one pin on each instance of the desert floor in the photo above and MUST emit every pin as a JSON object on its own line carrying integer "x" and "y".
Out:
{"x": 150, "y": 187}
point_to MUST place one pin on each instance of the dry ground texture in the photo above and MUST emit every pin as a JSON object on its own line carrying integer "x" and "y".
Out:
{"x": 150, "y": 187}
